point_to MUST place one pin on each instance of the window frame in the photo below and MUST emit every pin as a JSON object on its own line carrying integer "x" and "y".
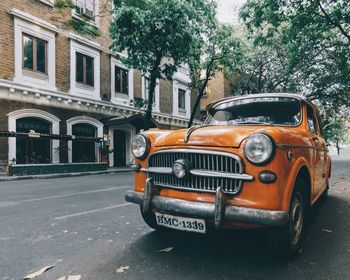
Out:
{"x": 177, "y": 111}
{"x": 310, "y": 110}
{"x": 121, "y": 70}
{"x": 78, "y": 88}
{"x": 94, "y": 20}
{"x": 84, "y": 82}
{"x": 35, "y": 59}
{"x": 25, "y": 24}
{"x": 181, "y": 92}
{"x": 117, "y": 98}
{"x": 84, "y": 8}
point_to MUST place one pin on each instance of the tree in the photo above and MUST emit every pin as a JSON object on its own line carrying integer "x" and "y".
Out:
{"x": 221, "y": 51}
{"x": 265, "y": 67}
{"x": 315, "y": 36}
{"x": 158, "y": 36}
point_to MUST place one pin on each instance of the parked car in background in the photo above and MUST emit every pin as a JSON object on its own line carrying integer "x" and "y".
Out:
{"x": 257, "y": 161}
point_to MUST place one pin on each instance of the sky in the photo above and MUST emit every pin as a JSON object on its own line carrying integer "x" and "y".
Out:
{"x": 228, "y": 10}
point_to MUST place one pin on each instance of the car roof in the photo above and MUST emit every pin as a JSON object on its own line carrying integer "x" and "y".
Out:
{"x": 238, "y": 97}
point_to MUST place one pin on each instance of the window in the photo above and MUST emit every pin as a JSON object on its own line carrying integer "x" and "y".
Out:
{"x": 121, "y": 80}
{"x": 84, "y": 151}
{"x": 311, "y": 121}
{"x": 84, "y": 69}
{"x": 283, "y": 111}
{"x": 33, "y": 150}
{"x": 34, "y": 54}
{"x": 182, "y": 100}
{"x": 85, "y": 8}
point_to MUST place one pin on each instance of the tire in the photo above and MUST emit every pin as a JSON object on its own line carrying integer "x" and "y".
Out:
{"x": 287, "y": 240}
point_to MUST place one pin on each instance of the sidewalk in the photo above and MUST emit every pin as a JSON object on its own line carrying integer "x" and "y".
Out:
{"x": 112, "y": 170}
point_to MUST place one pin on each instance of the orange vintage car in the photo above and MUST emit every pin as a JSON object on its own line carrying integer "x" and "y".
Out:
{"x": 257, "y": 161}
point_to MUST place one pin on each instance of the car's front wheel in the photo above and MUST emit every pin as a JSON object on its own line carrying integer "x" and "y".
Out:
{"x": 287, "y": 239}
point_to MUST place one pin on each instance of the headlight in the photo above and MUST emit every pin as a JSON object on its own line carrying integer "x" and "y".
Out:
{"x": 182, "y": 168}
{"x": 259, "y": 148}
{"x": 140, "y": 146}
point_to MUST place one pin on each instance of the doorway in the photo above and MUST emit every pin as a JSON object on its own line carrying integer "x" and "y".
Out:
{"x": 84, "y": 151}
{"x": 33, "y": 150}
{"x": 119, "y": 144}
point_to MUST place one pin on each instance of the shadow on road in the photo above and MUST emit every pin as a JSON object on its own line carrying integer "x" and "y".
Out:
{"x": 243, "y": 254}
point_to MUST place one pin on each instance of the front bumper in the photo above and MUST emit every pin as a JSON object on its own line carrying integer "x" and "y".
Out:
{"x": 219, "y": 212}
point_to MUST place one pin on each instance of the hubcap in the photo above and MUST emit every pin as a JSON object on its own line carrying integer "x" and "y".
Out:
{"x": 296, "y": 219}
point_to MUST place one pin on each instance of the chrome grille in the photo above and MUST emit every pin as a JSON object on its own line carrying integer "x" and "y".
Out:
{"x": 200, "y": 160}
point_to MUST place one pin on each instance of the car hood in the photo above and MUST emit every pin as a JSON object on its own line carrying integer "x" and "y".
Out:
{"x": 218, "y": 136}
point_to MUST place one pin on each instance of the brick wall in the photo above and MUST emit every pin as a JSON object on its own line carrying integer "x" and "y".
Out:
{"x": 166, "y": 99}
{"x": 137, "y": 84}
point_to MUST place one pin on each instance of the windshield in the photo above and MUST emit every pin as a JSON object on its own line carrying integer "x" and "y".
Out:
{"x": 257, "y": 110}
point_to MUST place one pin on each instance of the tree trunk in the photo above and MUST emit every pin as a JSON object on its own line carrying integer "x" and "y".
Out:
{"x": 337, "y": 145}
{"x": 152, "y": 86}
{"x": 198, "y": 99}
{"x": 195, "y": 108}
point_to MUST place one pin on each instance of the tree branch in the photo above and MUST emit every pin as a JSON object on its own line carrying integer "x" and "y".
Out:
{"x": 336, "y": 24}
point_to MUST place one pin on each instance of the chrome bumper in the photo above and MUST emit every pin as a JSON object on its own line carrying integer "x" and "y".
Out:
{"x": 219, "y": 212}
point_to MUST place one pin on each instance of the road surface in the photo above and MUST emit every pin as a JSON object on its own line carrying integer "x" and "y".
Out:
{"x": 83, "y": 226}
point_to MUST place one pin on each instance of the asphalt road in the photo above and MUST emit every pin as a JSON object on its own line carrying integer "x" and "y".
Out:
{"x": 84, "y": 227}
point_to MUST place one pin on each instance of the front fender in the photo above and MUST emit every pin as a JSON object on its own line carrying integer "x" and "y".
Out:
{"x": 298, "y": 164}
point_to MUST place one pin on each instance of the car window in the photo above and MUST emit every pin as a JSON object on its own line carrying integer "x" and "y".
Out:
{"x": 311, "y": 120}
{"x": 320, "y": 124}
{"x": 283, "y": 111}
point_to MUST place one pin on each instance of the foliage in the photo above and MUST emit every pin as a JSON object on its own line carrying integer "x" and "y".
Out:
{"x": 337, "y": 127}
{"x": 82, "y": 26}
{"x": 264, "y": 68}
{"x": 85, "y": 28}
{"x": 140, "y": 103}
{"x": 221, "y": 51}
{"x": 61, "y": 4}
{"x": 314, "y": 40}
{"x": 158, "y": 35}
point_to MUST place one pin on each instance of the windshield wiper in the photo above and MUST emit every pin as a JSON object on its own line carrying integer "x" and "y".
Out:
{"x": 253, "y": 122}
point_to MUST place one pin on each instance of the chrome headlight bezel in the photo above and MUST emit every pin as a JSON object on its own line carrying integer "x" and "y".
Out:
{"x": 268, "y": 145}
{"x": 146, "y": 146}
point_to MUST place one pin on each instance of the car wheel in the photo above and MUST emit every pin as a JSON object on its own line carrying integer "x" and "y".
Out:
{"x": 287, "y": 239}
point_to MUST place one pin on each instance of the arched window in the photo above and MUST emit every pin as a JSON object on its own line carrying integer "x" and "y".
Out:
{"x": 84, "y": 151}
{"x": 33, "y": 150}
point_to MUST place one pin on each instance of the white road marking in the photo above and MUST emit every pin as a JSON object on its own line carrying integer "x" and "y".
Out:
{"x": 13, "y": 203}
{"x": 7, "y": 203}
{"x": 92, "y": 211}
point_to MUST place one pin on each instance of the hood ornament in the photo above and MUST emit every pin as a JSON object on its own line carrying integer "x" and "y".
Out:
{"x": 192, "y": 129}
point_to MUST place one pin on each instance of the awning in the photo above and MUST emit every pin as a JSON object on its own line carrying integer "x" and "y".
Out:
{"x": 137, "y": 120}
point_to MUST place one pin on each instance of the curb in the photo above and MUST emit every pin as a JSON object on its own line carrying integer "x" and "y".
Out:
{"x": 62, "y": 175}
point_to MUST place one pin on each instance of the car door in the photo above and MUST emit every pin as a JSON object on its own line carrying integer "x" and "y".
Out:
{"x": 323, "y": 150}
{"x": 318, "y": 146}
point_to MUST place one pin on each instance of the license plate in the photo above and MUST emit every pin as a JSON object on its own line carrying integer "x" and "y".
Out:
{"x": 181, "y": 223}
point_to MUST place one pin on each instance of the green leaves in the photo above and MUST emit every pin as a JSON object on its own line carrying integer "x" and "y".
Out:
{"x": 159, "y": 35}
{"x": 315, "y": 39}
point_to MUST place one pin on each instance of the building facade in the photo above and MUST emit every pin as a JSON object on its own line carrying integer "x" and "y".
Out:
{"x": 219, "y": 87}
{"x": 58, "y": 76}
